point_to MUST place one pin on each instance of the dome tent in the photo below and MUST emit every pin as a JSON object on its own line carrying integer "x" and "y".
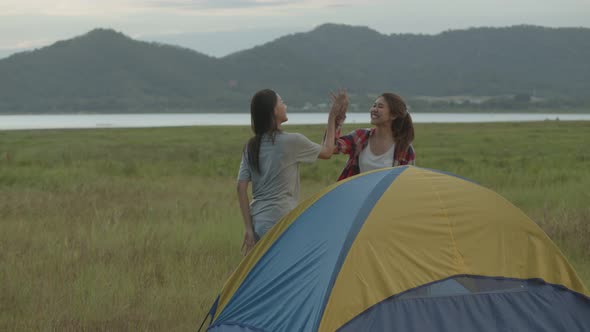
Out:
{"x": 405, "y": 249}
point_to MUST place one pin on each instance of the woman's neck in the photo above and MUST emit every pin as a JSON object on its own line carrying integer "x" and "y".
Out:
{"x": 273, "y": 131}
{"x": 383, "y": 133}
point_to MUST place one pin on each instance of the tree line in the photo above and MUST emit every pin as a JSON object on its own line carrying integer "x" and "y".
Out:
{"x": 516, "y": 67}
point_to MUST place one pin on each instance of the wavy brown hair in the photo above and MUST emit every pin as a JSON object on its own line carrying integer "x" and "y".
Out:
{"x": 402, "y": 126}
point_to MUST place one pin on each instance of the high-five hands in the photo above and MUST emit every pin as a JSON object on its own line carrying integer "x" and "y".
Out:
{"x": 339, "y": 106}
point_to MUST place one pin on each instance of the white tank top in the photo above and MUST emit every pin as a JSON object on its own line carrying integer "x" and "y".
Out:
{"x": 368, "y": 161}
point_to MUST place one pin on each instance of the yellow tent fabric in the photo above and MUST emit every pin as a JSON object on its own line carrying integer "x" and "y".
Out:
{"x": 359, "y": 243}
{"x": 429, "y": 226}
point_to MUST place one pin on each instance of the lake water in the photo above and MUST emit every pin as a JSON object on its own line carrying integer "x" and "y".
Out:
{"x": 17, "y": 122}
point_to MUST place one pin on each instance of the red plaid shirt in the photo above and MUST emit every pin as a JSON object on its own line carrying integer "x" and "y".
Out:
{"x": 352, "y": 145}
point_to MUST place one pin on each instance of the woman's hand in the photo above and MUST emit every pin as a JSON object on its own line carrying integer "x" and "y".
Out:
{"x": 249, "y": 242}
{"x": 339, "y": 106}
{"x": 249, "y": 236}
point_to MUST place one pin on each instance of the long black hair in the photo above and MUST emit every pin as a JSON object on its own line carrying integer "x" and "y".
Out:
{"x": 402, "y": 126}
{"x": 263, "y": 121}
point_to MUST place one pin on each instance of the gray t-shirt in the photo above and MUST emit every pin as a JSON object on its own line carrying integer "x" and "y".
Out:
{"x": 275, "y": 189}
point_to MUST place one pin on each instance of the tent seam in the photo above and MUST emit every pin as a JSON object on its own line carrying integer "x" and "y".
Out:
{"x": 458, "y": 258}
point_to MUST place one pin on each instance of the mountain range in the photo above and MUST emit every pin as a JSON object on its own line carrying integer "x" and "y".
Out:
{"x": 107, "y": 71}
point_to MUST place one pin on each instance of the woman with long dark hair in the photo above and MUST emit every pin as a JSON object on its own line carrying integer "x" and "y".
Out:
{"x": 270, "y": 161}
{"x": 387, "y": 144}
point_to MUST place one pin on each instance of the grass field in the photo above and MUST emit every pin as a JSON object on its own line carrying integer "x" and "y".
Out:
{"x": 137, "y": 229}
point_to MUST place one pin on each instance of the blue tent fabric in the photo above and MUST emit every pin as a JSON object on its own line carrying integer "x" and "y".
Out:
{"x": 404, "y": 249}
{"x": 234, "y": 327}
{"x": 299, "y": 273}
{"x": 537, "y": 307}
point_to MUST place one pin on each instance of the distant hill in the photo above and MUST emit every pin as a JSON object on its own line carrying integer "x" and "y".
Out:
{"x": 106, "y": 71}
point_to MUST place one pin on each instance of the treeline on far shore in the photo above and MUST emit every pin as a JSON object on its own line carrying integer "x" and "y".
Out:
{"x": 521, "y": 103}
{"x": 517, "y": 68}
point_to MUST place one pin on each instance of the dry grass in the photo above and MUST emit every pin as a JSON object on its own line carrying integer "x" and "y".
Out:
{"x": 116, "y": 230}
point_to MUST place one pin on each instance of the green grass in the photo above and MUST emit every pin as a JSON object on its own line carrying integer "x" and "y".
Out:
{"x": 137, "y": 229}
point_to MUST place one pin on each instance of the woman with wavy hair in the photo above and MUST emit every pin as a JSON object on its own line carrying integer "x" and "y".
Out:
{"x": 270, "y": 161}
{"x": 387, "y": 144}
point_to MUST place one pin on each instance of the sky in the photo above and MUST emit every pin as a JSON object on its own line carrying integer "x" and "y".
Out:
{"x": 220, "y": 27}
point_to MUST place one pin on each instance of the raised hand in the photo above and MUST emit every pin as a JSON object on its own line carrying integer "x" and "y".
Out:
{"x": 339, "y": 106}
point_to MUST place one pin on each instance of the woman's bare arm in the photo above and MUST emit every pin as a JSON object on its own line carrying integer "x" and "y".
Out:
{"x": 249, "y": 237}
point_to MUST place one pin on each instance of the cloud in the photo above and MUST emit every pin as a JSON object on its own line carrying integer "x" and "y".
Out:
{"x": 65, "y": 7}
{"x": 245, "y": 4}
{"x": 125, "y": 7}
{"x": 218, "y": 4}
{"x": 25, "y": 44}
